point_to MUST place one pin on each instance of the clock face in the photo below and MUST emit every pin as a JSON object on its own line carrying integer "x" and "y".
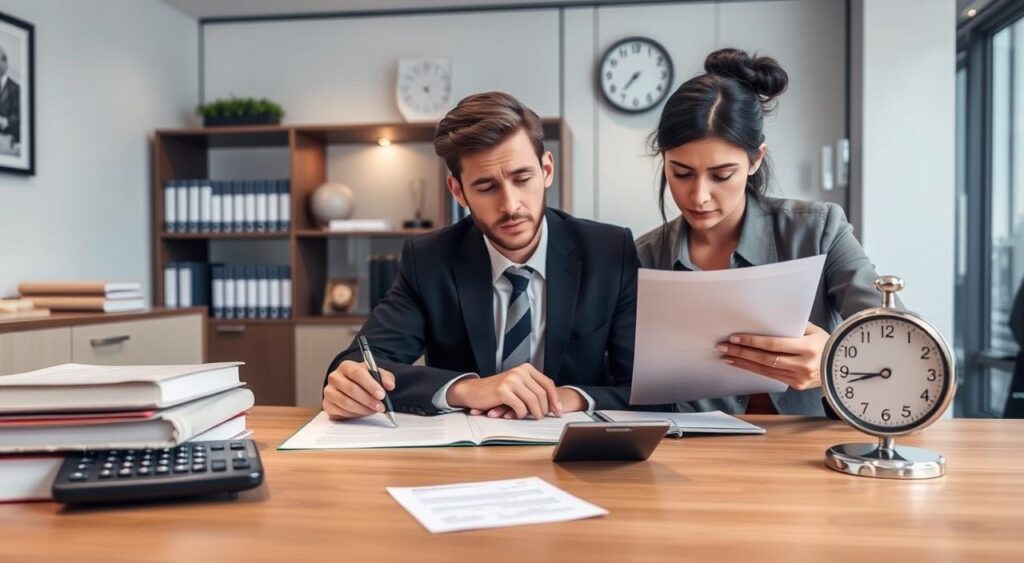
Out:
{"x": 887, "y": 375}
{"x": 635, "y": 74}
{"x": 424, "y": 88}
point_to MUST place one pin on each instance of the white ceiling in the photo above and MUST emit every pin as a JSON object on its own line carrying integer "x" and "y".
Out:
{"x": 202, "y": 9}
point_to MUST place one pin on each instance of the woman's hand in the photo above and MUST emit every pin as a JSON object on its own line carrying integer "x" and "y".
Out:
{"x": 793, "y": 361}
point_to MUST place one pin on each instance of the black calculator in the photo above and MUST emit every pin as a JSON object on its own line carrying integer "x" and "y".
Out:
{"x": 191, "y": 469}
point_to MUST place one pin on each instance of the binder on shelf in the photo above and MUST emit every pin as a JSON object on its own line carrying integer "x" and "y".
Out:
{"x": 262, "y": 292}
{"x": 216, "y": 210}
{"x": 285, "y": 274}
{"x": 181, "y": 209}
{"x": 260, "y": 188}
{"x": 227, "y": 207}
{"x": 193, "y": 206}
{"x": 170, "y": 201}
{"x": 217, "y": 292}
{"x": 171, "y": 285}
{"x": 249, "y": 195}
{"x": 274, "y": 282}
{"x": 205, "y": 203}
{"x": 273, "y": 217}
{"x": 284, "y": 203}
{"x": 229, "y": 291}
{"x": 239, "y": 197}
{"x": 193, "y": 284}
{"x": 251, "y": 293}
{"x": 241, "y": 295}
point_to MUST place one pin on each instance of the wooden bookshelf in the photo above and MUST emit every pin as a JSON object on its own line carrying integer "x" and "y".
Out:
{"x": 267, "y": 345}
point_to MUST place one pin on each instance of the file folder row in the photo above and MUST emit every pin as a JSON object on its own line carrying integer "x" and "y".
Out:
{"x": 232, "y": 206}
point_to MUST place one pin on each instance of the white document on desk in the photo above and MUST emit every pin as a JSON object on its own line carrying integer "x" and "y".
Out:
{"x": 682, "y": 315}
{"x": 491, "y": 504}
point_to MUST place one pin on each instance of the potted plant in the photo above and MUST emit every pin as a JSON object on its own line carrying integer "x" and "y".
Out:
{"x": 240, "y": 111}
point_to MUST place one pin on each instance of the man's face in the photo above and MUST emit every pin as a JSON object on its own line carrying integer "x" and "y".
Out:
{"x": 504, "y": 189}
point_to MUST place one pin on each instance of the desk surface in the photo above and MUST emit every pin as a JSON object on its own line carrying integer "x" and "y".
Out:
{"x": 748, "y": 498}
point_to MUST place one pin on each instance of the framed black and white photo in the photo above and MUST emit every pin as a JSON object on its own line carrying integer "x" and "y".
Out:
{"x": 17, "y": 96}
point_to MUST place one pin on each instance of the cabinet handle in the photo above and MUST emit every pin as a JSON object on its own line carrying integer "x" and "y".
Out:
{"x": 231, "y": 329}
{"x": 109, "y": 341}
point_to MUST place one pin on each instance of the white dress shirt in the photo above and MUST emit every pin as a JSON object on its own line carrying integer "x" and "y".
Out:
{"x": 502, "y": 292}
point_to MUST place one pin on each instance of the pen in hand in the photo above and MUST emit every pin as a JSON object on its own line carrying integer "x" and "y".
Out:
{"x": 371, "y": 365}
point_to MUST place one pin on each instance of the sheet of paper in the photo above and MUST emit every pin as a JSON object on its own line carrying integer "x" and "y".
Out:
{"x": 713, "y": 422}
{"x": 376, "y": 431}
{"x": 491, "y": 504}
{"x": 548, "y": 429}
{"x": 682, "y": 315}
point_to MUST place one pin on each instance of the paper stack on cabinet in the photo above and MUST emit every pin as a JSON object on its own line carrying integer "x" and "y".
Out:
{"x": 93, "y": 296}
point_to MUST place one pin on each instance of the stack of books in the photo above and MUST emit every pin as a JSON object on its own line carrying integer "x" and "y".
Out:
{"x": 93, "y": 296}
{"x": 76, "y": 407}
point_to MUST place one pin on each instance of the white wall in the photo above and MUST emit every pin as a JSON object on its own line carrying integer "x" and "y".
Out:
{"x": 546, "y": 57}
{"x": 107, "y": 73}
{"x": 903, "y": 100}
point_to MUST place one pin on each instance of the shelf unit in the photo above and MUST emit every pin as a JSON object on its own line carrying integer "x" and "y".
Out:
{"x": 268, "y": 345}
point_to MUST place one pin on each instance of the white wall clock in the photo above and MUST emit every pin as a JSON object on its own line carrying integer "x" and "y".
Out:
{"x": 424, "y": 88}
{"x": 635, "y": 74}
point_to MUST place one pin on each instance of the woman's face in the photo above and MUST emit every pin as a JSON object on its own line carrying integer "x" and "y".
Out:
{"x": 708, "y": 180}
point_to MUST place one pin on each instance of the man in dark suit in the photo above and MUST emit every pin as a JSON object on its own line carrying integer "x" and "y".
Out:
{"x": 10, "y": 103}
{"x": 520, "y": 310}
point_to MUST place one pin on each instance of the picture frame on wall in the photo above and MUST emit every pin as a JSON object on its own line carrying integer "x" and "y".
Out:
{"x": 17, "y": 96}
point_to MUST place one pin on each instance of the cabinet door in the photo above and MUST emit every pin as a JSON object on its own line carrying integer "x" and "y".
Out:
{"x": 166, "y": 340}
{"x": 315, "y": 348}
{"x": 268, "y": 351}
{"x": 34, "y": 349}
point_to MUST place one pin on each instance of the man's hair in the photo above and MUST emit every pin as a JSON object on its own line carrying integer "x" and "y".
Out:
{"x": 483, "y": 121}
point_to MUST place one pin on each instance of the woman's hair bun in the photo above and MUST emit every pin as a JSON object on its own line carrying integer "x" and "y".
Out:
{"x": 763, "y": 74}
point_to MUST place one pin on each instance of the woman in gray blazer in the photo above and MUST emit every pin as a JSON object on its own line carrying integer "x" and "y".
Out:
{"x": 711, "y": 139}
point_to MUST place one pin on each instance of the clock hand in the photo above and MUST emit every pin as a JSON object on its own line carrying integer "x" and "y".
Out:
{"x": 632, "y": 79}
{"x": 885, "y": 373}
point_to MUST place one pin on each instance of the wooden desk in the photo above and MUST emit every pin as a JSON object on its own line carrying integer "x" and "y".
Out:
{"x": 742, "y": 498}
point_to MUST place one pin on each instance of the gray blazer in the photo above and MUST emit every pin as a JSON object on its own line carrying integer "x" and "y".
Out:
{"x": 775, "y": 231}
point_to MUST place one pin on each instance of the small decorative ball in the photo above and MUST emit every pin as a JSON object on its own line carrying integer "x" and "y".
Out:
{"x": 332, "y": 200}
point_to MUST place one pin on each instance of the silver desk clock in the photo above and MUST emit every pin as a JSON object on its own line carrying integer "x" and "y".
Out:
{"x": 887, "y": 372}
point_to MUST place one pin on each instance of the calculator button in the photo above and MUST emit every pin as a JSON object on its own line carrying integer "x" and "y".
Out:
{"x": 87, "y": 459}
{"x": 163, "y": 462}
{"x": 240, "y": 463}
{"x": 217, "y": 447}
{"x": 143, "y": 471}
{"x": 198, "y": 467}
{"x": 108, "y": 465}
{"x": 218, "y": 465}
{"x": 237, "y": 446}
{"x": 78, "y": 476}
{"x": 145, "y": 463}
{"x": 162, "y": 470}
{"x": 129, "y": 458}
{"x": 199, "y": 447}
{"x": 181, "y": 468}
{"x": 106, "y": 474}
{"x": 81, "y": 466}
{"x": 124, "y": 472}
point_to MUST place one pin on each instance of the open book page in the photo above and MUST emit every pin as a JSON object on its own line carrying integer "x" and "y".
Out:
{"x": 376, "y": 431}
{"x": 713, "y": 422}
{"x": 545, "y": 431}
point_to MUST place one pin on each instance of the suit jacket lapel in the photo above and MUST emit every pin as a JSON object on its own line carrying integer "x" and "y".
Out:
{"x": 563, "y": 283}
{"x": 472, "y": 271}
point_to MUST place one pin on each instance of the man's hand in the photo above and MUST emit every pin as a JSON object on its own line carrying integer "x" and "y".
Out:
{"x": 571, "y": 401}
{"x": 351, "y": 391}
{"x": 523, "y": 389}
